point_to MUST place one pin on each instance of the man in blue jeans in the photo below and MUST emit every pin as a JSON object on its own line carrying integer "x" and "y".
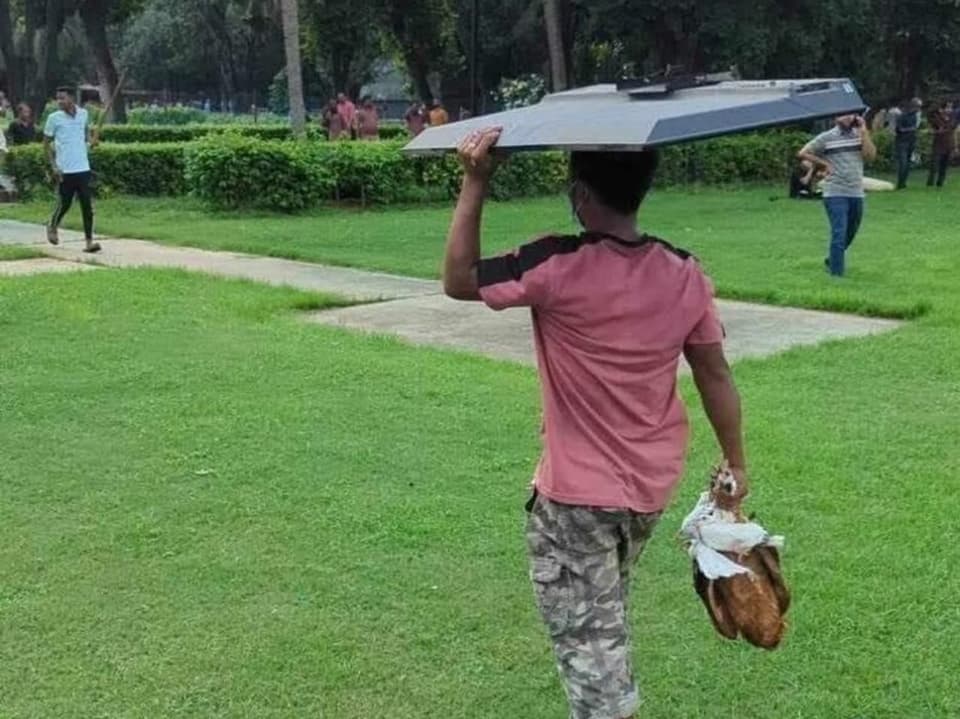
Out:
{"x": 840, "y": 153}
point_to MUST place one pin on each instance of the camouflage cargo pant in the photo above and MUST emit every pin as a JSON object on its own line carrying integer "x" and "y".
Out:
{"x": 580, "y": 560}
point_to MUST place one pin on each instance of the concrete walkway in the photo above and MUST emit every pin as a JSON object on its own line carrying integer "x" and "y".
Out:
{"x": 355, "y": 285}
{"x": 415, "y": 309}
{"x": 752, "y": 330}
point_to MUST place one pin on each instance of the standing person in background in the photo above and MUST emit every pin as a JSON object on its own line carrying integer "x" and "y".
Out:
{"x": 944, "y": 143}
{"x": 347, "y": 110}
{"x": 368, "y": 121}
{"x": 4, "y": 105}
{"x": 905, "y": 144}
{"x": 22, "y": 131}
{"x": 334, "y": 123}
{"x": 438, "y": 116}
{"x": 415, "y": 118}
{"x": 66, "y": 137}
{"x": 840, "y": 153}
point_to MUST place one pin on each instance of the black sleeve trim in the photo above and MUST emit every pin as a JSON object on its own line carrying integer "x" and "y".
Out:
{"x": 511, "y": 267}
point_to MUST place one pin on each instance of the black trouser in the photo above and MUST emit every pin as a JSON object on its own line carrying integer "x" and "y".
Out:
{"x": 904, "y": 146}
{"x": 939, "y": 162}
{"x": 76, "y": 183}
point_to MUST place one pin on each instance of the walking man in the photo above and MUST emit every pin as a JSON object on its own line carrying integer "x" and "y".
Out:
{"x": 905, "y": 140}
{"x": 840, "y": 153}
{"x": 66, "y": 137}
{"x": 613, "y": 310}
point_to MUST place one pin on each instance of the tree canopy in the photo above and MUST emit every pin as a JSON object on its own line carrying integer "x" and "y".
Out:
{"x": 232, "y": 51}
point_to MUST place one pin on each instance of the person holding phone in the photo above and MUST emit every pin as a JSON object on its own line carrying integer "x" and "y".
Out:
{"x": 840, "y": 153}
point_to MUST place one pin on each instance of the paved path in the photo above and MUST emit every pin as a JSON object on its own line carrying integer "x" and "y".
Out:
{"x": 416, "y": 310}
{"x": 752, "y": 330}
{"x": 352, "y": 284}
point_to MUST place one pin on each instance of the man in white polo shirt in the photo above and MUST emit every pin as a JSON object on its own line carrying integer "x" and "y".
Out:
{"x": 65, "y": 137}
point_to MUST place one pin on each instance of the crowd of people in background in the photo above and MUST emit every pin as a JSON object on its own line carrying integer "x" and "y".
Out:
{"x": 342, "y": 119}
{"x": 903, "y": 122}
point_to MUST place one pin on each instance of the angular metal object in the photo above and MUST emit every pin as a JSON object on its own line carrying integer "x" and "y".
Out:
{"x": 637, "y": 117}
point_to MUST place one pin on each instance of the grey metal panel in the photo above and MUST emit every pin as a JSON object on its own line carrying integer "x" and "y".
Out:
{"x": 600, "y": 117}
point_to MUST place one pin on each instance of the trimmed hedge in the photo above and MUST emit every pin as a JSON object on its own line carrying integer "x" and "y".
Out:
{"x": 126, "y": 134}
{"x": 165, "y": 116}
{"x": 230, "y": 169}
{"x": 118, "y": 169}
{"x": 393, "y": 131}
{"x": 192, "y": 115}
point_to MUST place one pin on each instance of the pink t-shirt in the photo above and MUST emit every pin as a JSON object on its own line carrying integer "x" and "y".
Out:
{"x": 610, "y": 321}
{"x": 348, "y": 111}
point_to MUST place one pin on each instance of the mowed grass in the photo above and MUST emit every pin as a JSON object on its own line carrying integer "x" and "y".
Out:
{"x": 757, "y": 244}
{"x": 9, "y": 253}
{"x": 213, "y": 509}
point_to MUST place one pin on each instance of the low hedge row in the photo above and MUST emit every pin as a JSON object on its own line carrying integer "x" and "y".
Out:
{"x": 142, "y": 169}
{"x": 236, "y": 170}
{"x": 229, "y": 171}
{"x": 126, "y": 134}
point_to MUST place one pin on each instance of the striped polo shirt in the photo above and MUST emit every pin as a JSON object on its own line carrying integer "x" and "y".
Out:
{"x": 843, "y": 149}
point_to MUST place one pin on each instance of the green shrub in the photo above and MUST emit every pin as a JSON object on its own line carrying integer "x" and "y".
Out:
{"x": 237, "y": 169}
{"x": 165, "y": 116}
{"x": 118, "y": 169}
{"x": 140, "y": 169}
{"x": 196, "y": 131}
{"x": 27, "y": 165}
{"x": 230, "y": 171}
{"x": 525, "y": 174}
{"x": 393, "y": 131}
{"x": 368, "y": 171}
{"x": 186, "y": 133}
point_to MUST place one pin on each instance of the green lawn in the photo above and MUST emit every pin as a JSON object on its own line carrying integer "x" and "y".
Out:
{"x": 212, "y": 509}
{"x": 18, "y": 252}
{"x": 757, "y": 244}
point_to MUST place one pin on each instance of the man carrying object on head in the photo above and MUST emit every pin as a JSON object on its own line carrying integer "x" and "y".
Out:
{"x": 66, "y": 137}
{"x": 613, "y": 311}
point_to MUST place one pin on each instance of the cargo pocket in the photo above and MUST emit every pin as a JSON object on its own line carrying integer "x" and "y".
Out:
{"x": 554, "y": 592}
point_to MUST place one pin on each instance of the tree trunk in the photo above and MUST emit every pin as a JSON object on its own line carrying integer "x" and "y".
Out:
{"x": 9, "y": 55}
{"x": 93, "y": 13}
{"x": 291, "y": 43}
{"x": 43, "y": 21}
{"x": 553, "y": 17}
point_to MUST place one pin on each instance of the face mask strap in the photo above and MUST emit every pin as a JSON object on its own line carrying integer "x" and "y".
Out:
{"x": 574, "y": 205}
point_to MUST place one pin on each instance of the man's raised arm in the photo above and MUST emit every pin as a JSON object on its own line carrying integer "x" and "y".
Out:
{"x": 463, "y": 239}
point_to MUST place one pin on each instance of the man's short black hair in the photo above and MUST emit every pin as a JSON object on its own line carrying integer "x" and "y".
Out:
{"x": 67, "y": 90}
{"x": 620, "y": 180}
